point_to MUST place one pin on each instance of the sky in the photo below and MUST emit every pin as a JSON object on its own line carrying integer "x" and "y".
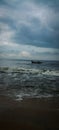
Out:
{"x": 29, "y": 29}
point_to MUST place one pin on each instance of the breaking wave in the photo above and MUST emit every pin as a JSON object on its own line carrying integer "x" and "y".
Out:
{"x": 29, "y": 71}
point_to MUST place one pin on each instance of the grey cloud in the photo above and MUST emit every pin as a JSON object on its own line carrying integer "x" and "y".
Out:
{"x": 31, "y": 27}
{"x": 52, "y": 3}
{"x": 27, "y": 35}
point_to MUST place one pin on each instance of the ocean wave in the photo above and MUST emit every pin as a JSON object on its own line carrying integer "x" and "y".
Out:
{"x": 29, "y": 71}
{"x": 20, "y": 96}
{"x": 52, "y": 72}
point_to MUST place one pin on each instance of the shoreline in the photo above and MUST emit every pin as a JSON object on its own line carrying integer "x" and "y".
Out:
{"x": 29, "y": 114}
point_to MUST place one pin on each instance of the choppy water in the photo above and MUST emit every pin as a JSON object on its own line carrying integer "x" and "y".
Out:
{"x": 21, "y": 78}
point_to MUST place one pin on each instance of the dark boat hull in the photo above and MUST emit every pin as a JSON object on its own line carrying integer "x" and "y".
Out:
{"x": 36, "y": 62}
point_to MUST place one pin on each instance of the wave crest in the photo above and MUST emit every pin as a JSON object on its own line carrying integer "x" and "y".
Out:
{"x": 30, "y": 71}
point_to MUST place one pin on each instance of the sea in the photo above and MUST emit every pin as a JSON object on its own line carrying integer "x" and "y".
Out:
{"x": 21, "y": 79}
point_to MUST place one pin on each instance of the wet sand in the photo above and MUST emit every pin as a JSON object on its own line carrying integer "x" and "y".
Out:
{"x": 29, "y": 114}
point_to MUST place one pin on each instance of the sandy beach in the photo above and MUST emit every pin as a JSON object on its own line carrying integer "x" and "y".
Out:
{"x": 29, "y": 114}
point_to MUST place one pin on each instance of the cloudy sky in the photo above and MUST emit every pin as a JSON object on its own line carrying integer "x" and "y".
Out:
{"x": 29, "y": 29}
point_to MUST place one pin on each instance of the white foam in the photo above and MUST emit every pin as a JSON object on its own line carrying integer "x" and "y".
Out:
{"x": 31, "y": 71}
{"x": 52, "y": 73}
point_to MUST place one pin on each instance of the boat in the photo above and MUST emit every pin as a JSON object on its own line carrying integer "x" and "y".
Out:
{"x": 36, "y": 62}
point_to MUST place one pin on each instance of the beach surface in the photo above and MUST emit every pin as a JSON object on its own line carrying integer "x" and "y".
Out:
{"x": 29, "y": 114}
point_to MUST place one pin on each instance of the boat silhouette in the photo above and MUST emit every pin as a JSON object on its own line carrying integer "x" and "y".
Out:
{"x": 36, "y": 62}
